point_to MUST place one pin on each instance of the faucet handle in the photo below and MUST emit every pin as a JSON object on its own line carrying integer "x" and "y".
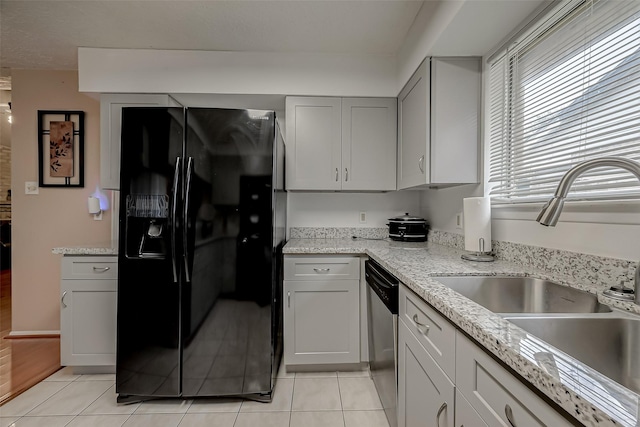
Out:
{"x": 620, "y": 292}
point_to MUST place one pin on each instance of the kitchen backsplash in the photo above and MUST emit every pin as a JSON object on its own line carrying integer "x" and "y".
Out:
{"x": 592, "y": 270}
{"x": 602, "y": 272}
{"x": 337, "y": 232}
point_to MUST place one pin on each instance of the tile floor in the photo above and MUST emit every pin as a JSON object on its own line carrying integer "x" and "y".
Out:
{"x": 328, "y": 399}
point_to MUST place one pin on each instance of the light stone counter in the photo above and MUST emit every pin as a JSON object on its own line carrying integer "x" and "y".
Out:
{"x": 587, "y": 395}
{"x": 105, "y": 248}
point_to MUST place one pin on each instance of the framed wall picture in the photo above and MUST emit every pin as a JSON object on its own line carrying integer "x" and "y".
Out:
{"x": 61, "y": 148}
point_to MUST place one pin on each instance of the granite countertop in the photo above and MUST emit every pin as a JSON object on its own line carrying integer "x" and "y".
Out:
{"x": 102, "y": 248}
{"x": 592, "y": 398}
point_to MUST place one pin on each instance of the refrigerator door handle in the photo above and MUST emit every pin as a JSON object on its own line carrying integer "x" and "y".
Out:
{"x": 174, "y": 203}
{"x": 185, "y": 229}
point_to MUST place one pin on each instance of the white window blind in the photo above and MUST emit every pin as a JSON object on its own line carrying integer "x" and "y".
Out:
{"x": 566, "y": 92}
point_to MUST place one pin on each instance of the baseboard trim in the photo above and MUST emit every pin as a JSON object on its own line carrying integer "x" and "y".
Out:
{"x": 14, "y": 335}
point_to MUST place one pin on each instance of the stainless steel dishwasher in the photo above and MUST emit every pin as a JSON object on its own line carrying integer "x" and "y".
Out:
{"x": 382, "y": 300}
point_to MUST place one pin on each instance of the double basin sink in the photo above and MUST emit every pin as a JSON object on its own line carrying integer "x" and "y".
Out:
{"x": 569, "y": 319}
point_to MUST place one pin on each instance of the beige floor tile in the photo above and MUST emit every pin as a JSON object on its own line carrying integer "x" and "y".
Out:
{"x": 358, "y": 394}
{"x": 54, "y": 421}
{"x": 31, "y": 398}
{"x": 365, "y": 419}
{"x": 263, "y": 419}
{"x": 72, "y": 399}
{"x": 107, "y": 405}
{"x": 354, "y": 374}
{"x": 282, "y": 372}
{"x": 98, "y": 421}
{"x": 64, "y": 374}
{"x": 214, "y": 405}
{"x": 316, "y": 394}
{"x": 97, "y": 377}
{"x": 282, "y": 398}
{"x": 317, "y": 419}
{"x": 153, "y": 420}
{"x": 220, "y": 419}
{"x": 166, "y": 406}
{"x": 329, "y": 374}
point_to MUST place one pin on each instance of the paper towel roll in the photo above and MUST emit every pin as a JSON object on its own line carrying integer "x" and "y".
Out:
{"x": 94, "y": 205}
{"x": 477, "y": 223}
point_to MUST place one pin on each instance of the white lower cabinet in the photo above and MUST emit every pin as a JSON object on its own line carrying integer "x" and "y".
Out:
{"x": 498, "y": 397}
{"x": 321, "y": 310}
{"x": 466, "y": 416}
{"x": 425, "y": 393}
{"x": 88, "y": 303}
{"x": 486, "y": 394}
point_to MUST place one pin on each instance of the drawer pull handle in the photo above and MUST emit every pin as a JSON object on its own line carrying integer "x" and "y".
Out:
{"x": 420, "y": 325}
{"x": 321, "y": 270}
{"x": 101, "y": 269}
{"x": 64, "y": 294}
{"x": 442, "y": 408}
{"x": 509, "y": 413}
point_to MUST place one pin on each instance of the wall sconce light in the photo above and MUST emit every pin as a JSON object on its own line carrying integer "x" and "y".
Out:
{"x": 97, "y": 203}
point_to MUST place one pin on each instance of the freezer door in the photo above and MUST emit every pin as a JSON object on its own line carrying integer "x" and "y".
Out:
{"x": 148, "y": 348}
{"x": 227, "y": 297}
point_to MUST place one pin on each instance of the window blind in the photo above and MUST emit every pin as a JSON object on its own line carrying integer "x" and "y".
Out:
{"x": 566, "y": 92}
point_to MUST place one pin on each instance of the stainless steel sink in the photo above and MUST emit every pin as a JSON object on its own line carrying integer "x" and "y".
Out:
{"x": 611, "y": 346}
{"x": 523, "y": 295}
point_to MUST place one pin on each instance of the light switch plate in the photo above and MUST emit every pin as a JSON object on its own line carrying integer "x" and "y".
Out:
{"x": 31, "y": 187}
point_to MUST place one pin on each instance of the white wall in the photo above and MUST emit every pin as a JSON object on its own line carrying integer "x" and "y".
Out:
{"x": 181, "y": 71}
{"x": 343, "y": 209}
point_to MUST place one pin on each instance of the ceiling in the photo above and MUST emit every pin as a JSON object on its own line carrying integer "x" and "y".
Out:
{"x": 46, "y": 34}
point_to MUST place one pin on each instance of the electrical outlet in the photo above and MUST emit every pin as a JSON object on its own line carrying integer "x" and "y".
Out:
{"x": 31, "y": 187}
{"x": 363, "y": 217}
{"x": 459, "y": 220}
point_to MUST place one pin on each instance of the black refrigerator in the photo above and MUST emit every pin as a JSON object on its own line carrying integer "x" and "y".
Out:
{"x": 202, "y": 225}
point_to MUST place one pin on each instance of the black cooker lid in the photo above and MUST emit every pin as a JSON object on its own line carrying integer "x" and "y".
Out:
{"x": 406, "y": 218}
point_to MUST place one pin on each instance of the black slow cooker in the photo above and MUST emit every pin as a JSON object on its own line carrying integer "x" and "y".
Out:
{"x": 408, "y": 228}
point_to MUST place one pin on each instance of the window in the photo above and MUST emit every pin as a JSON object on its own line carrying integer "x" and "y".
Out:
{"x": 565, "y": 92}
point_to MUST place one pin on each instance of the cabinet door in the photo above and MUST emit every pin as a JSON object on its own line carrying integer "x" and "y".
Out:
{"x": 369, "y": 143}
{"x": 455, "y": 111}
{"x": 425, "y": 393}
{"x": 88, "y": 322}
{"x": 499, "y": 397}
{"x": 466, "y": 416}
{"x": 413, "y": 129}
{"x": 313, "y": 143}
{"x": 321, "y": 322}
{"x": 110, "y": 127}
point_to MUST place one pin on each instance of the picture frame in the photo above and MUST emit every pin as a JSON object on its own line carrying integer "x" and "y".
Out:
{"x": 61, "y": 148}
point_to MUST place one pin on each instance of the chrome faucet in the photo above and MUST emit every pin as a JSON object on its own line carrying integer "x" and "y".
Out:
{"x": 551, "y": 210}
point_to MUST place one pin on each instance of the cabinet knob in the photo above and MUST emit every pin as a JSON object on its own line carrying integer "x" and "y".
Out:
{"x": 421, "y": 326}
{"x": 442, "y": 408}
{"x": 509, "y": 414}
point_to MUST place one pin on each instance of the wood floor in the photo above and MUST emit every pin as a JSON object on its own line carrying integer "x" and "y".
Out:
{"x": 24, "y": 362}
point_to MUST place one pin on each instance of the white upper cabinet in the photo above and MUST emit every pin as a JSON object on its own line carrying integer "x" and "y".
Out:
{"x": 111, "y": 126}
{"x": 313, "y": 143}
{"x": 341, "y": 143}
{"x": 439, "y": 124}
{"x": 369, "y": 143}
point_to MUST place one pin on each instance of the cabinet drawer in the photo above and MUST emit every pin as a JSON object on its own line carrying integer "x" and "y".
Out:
{"x": 321, "y": 268}
{"x": 90, "y": 267}
{"x": 494, "y": 392}
{"x": 432, "y": 330}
